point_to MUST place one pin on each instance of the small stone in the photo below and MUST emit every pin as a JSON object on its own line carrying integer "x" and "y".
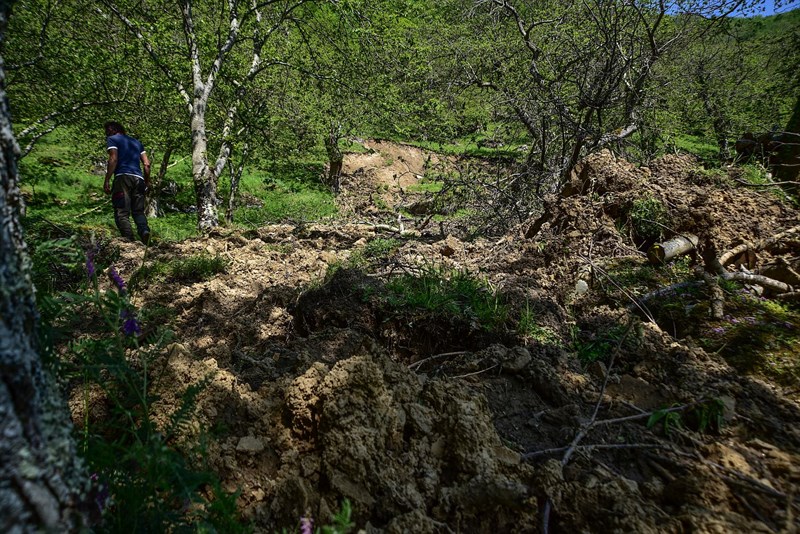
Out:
{"x": 581, "y": 287}
{"x": 519, "y": 358}
{"x": 728, "y": 408}
{"x": 250, "y": 444}
{"x": 598, "y": 369}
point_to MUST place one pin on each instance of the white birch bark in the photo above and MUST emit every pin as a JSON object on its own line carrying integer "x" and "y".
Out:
{"x": 41, "y": 477}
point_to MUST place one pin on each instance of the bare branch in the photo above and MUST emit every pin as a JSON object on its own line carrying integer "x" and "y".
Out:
{"x": 134, "y": 29}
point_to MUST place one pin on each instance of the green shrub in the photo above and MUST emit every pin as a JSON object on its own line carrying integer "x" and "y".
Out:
{"x": 648, "y": 217}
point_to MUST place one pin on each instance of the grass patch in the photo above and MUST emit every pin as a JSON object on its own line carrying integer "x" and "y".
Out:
{"x": 472, "y": 148}
{"x": 381, "y": 247}
{"x": 425, "y": 187}
{"x": 286, "y": 191}
{"x": 702, "y": 147}
{"x": 638, "y": 278}
{"x": 530, "y": 330}
{"x": 757, "y": 336}
{"x": 648, "y": 218}
{"x": 192, "y": 269}
{"x": 448, "y": 293}
{"x": 595, "y": 345}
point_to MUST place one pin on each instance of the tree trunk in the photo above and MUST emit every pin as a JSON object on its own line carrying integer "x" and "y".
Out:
{"x": 41, "y": 477}
{"x": 205, "y": 180}
{"x": 788, "y": 169}
{"x": 153, "y": 205}
{"x": 335, "y": 156}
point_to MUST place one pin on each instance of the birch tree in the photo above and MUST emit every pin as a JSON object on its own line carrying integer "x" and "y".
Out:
{"x": 41, "y": 480}
{"x": 205, "y": 48}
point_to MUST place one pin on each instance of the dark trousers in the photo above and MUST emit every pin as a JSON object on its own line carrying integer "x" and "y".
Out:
{"x": 127, "y": 196}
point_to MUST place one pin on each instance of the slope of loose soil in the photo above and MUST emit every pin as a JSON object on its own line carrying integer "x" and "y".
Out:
{"x": 318, "y": 393}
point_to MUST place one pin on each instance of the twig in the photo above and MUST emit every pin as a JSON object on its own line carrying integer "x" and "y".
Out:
{"x": 436, "y": 356}
{"x": 771, "y": 184}
{"x": 593, "y": 447}
{"x": 54, "y": 225}
{"x": 755, "y": 512}
{"x": 732, "y": 253}
{"x": 476, "y": 372}
{"x": 667, "y": 291}
{"x": 634, "y": 300}
{"x": 717, "y": 296}
{"x": 646, "y": 415}
{"x": 548, "y": 505}
{"x": 742, "y": 478}
{"x": 666, "y": 475}
{"x": 78, "y": 216}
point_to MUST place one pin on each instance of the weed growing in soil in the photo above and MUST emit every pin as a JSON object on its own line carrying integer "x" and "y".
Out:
{"x": 530, "y": 330}
{"x": 595, "y": 345}
{"x": 192, "y": 269}
{"x": 381, "y": 248}
{"x": 140, "y": 481}
{"x": 648, "y": 217}
{"x": 703, "y": 417}
{"x": 453, "y": 293}
{"x": 757, "y": 336}
{"x": 341, "y": 523}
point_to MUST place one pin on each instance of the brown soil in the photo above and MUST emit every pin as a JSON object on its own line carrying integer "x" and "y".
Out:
{"x": 317, "y": 394}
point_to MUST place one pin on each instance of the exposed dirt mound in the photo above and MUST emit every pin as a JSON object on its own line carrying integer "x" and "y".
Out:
{"x": 319, "y": 393}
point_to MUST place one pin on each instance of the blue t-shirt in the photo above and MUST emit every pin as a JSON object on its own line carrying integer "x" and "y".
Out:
{"x": 129, "y": 151}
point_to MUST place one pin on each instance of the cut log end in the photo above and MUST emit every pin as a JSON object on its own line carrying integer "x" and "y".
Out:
{"x": 660, "y": 253}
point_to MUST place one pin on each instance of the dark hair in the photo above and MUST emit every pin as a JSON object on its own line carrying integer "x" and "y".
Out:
{"x": 113, "y": 127}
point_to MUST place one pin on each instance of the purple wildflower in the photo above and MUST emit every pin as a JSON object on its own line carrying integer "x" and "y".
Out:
{"x": 306, "y": 525}
{"x": 90, "y": 264}
{"x": 100, "y": 491}
{"x": 116, "y": 278}
{"x": 750, "y": 320}
{"x": 130, "y": 326}
{"x": 718, "y": 330}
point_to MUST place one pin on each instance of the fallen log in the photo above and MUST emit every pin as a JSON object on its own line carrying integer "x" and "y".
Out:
{"x": 679, "y": 245}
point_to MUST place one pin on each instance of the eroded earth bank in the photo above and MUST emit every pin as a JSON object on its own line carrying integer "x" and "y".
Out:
{"x": 321, "y": 388}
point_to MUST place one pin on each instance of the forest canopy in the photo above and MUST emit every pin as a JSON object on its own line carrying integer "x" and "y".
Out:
{"x": 225, "y": 82}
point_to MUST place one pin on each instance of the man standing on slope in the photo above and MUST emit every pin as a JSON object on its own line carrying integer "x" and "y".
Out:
{"x": 130, "y": 185}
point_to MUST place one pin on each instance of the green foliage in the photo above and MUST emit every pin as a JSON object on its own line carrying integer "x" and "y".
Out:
{"x": 454, "y": 293}
{"x": 671, "y": 420}
{"x": 141, "y": 481}
{"x": 702, "y": 417}
{"x": 648, "y": 217}
{"x": 598, "y": 344}
{"x": 381, "y": 247}
{"x": 194, "y": 268}
{"x": 530, "y": 330}
{"x": 341, "y": 523}
{"x": 57, "y": 264}
{"x": 756, "y": 336}
{"x": 702, "y": 147}
{"x": 754, "y": 174}
{"x": 426, "y": 187}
